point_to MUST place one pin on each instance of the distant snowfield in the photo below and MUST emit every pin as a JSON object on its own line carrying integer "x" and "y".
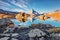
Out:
{"x": 36, "y": 21}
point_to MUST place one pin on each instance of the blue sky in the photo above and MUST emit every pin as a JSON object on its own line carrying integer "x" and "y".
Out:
{"x": 26, "y": 5}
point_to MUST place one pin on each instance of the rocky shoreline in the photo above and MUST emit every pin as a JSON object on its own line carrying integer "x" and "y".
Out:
{"x": 34, "y": 32}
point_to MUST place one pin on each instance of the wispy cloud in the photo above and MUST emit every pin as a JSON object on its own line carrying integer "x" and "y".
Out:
{"x": 17, "y": 10}
{"x": 4, "y": 4}
{"x": 18, "y": 4}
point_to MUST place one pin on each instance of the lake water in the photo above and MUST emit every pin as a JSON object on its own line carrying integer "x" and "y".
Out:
{"x": 36, "y": 21}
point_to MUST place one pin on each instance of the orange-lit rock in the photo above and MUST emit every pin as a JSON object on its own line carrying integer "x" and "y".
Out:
{"x": 1, "y": 16}
{"x": 20, "y": 16}
{"x": 52, "y": 15}
{"x": 9, "y": 16}
{"x": 4, "y": 15}
{"x": 40, "y": 17}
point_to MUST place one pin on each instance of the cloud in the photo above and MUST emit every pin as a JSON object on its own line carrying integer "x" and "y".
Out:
{"x": 13, "y": 5}
{"x": 4, "y": 3}
{"x": 17, "y": 10}
{"x": 3, "y": 7}
{"x": 21, "y": 3}
{"x": 13, "y": 10}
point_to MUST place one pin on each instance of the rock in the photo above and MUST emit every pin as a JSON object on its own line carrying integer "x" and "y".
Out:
{"x": 41, "y": 26}
{"x": 5, "y": 38}
{"x": 5, "y": 21}
{"x": 36, "y": 32}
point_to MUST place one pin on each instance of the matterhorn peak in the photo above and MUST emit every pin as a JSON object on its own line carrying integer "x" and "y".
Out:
{"x": 34, "y": 12}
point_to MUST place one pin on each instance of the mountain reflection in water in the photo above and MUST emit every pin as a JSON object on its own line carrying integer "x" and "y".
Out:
{"x": 36, "y": 21}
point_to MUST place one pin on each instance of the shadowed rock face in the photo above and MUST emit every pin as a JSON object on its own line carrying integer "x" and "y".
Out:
{"x": 42, "y": 26}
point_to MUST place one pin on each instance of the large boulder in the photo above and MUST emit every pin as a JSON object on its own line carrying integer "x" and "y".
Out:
{"x": 36, "y": 34}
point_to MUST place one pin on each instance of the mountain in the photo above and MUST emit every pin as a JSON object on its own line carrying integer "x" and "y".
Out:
{"x": 34, "y": 12}
{"x": 55, "y": 15}
{"x": 4, "y": 11}
{"x": 7, "y": 14}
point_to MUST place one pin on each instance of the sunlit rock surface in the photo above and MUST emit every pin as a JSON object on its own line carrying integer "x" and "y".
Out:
{"x": 6, "y": 15}
{"x": 55, "y": 15}
{"x": 20, "y": 16}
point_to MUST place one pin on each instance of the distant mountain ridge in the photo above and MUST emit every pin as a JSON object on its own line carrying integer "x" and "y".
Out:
{"x": 8, "y": 12}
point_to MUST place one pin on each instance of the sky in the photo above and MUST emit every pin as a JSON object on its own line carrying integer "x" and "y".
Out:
{"x": 26, "y": 5}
